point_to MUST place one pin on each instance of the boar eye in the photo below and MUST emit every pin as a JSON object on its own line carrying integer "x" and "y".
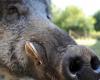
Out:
{"x": 75, "y": 65}
{"x": 12, "y": 10}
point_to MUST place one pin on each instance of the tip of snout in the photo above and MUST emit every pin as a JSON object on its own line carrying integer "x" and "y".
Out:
{"x": 81, "y": 49}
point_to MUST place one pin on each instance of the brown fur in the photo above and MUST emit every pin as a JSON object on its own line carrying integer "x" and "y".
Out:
{"x": 28, "y": 20}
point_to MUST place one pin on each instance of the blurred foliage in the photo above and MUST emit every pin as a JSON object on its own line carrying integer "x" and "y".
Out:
{"x": 97, "y": 24}
{"x": 96, "y": 47}
{"x": 95, "y": 35}
{"x": 80, "y": 26}
{"x": 73, "y": 19}
{"x": 92, "y": 43}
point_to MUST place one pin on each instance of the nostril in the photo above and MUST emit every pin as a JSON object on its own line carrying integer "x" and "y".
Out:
{"x": 95, "y": 64}
{"x": 75, "y": 65}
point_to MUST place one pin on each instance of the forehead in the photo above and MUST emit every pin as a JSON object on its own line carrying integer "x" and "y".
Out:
{"x": 46, "y": 2}
{"x": 9, "y": 1}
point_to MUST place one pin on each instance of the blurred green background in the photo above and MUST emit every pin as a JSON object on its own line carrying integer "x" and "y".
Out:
{"x": 85, "y": 29}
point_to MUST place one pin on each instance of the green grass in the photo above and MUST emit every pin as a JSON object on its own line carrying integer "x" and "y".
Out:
{"x": 92, "y": 43}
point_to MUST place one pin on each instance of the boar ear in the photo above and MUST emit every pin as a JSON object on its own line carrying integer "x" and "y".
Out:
{"x": 32, "y": 52}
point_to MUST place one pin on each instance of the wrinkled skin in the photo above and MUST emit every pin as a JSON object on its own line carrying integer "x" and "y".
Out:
{"x": 62, "y": 58}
